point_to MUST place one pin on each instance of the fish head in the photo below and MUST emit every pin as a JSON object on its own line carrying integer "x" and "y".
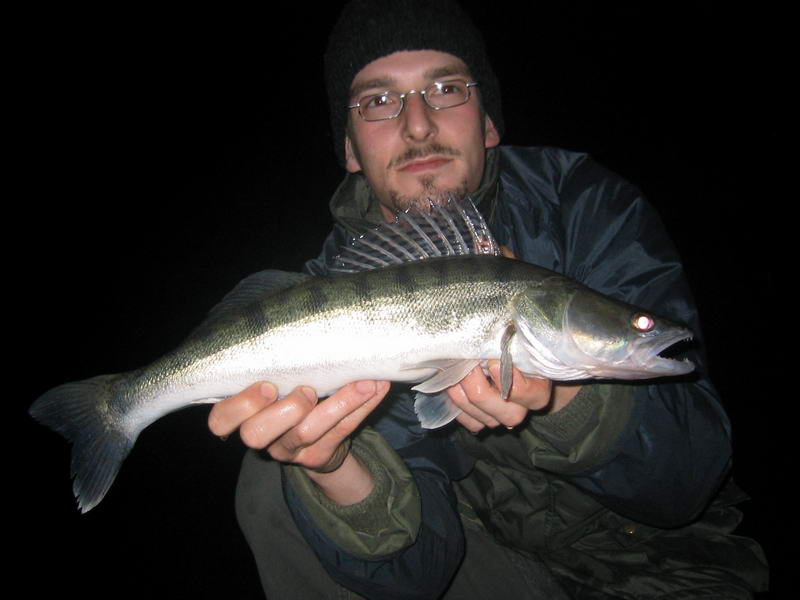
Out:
{"x": 570, "y": 332}
{"x": 617, "y": 340}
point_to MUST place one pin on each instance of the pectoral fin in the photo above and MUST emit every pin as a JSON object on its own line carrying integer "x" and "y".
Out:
{"x": 506, "y": 375}
{"x": 435, "y": 411}
{"x": 450, "y": 373}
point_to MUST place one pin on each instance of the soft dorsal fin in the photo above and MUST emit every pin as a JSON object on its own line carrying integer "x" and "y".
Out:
{"x": 255, "y": 287}
{"x": 249, "y": 290}
{"x": 455, "y": 229}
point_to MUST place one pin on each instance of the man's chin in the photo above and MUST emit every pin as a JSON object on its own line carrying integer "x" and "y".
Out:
{"x": 430, "y": 194}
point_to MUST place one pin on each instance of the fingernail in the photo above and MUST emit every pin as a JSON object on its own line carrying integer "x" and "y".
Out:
{"x": 268, "y": 390}
{"x": 365, "y": 387}
{"x": 309, "y": 393}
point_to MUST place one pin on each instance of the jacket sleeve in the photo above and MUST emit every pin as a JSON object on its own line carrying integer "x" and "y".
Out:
{"x": 653, "y": 451}
{"x": 404, "y": 540}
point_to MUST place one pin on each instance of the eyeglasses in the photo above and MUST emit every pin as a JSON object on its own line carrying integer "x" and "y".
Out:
{"x": 389, "y": 104}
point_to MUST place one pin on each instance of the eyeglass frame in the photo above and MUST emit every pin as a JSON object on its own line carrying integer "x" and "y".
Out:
{"x": 423, "y": 93}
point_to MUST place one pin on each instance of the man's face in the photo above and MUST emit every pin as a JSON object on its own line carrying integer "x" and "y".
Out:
{"x": 423, "y": 154}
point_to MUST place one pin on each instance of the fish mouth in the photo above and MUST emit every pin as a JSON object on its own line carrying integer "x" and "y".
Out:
{"x": 643, "y": 359}
{"x": 647, "y": 353}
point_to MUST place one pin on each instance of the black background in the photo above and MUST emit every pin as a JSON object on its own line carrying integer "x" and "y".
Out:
{"x": 160, "y": 155}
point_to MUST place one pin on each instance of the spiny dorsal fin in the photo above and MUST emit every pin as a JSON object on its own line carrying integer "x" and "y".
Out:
{"x": 455, "y": 229}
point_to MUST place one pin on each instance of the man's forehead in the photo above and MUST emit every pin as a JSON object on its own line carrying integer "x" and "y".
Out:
{"x": 425, "y": 66}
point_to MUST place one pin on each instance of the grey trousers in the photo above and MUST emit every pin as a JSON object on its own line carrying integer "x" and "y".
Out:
{"x": 289, "y": 569}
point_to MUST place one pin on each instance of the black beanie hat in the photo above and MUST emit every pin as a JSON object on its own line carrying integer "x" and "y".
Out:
{"x": 368, "y": 30}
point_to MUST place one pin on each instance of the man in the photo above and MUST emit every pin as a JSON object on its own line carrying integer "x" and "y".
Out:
{"x": 567, "y": 490}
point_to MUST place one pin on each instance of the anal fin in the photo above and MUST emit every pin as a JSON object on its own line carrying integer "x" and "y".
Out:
{"x": 506, "y": 375}
{"x": 435, "y": 411}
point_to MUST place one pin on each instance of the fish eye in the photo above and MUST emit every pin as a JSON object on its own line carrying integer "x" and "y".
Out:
{"x": 643, "y": 322}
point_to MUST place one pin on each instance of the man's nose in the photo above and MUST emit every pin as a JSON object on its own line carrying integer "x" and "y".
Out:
{"x": 419, "y": 124}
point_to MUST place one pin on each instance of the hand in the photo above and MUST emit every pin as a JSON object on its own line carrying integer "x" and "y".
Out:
{"x": 479, "y": 398}
{"x": 298, "y": 428}
{"x": 480, "y": 402}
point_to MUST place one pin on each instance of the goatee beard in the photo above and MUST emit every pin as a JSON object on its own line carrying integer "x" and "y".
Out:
{"x": 431, "y": 194}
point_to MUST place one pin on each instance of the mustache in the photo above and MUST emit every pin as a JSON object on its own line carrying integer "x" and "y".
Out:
{"x": 417, "y": 153}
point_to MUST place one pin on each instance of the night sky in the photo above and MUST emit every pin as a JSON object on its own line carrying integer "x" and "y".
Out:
{"x": 162, "y": 156}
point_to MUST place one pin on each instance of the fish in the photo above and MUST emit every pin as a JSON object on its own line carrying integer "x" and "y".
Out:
{"x": 422, "y": 300}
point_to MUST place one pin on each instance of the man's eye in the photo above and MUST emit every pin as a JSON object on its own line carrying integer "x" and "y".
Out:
{"x": 380, "y": 100}
{"x": 449, "y": 88}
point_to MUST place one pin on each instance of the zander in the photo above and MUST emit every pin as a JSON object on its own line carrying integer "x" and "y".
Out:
{"x": 424, "y": 299}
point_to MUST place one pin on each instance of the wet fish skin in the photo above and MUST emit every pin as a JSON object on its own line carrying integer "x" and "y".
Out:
{"x": 408, "y": 323}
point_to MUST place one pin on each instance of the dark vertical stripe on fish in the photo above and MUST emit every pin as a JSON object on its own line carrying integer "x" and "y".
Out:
{"x": 256, "y": 320}
{"x": 502, "y": 268}
{"x": 442, "y": 273}
{"x": 362, "y": 290}
{"x": 317, "y": 298}
{"x": 404, "y": 280}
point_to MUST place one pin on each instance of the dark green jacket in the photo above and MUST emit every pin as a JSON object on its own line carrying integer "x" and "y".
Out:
{"x": 613, "y": 491}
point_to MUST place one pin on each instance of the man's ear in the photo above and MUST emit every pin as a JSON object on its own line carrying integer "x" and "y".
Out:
{"x": 352, "y": 164}
{"x": 490, "y": 136}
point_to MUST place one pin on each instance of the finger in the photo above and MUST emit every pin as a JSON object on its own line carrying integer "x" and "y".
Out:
{"x": 470, "y": 396}
{"x": 530, "y": 393}
{"x": 485, "y": 395}
{"x": 342, "y": 411}
{"x": 227, "y": 415}
{"x": 354, "y": 419}
{"x": 507, "y": 252}
{"x": 469, "y": 423}
{"x": 319, "y": 454}
{"x": 270, "y": 423}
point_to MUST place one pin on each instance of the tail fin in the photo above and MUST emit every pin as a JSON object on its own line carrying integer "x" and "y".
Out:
{"x": 84, "y": 412}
